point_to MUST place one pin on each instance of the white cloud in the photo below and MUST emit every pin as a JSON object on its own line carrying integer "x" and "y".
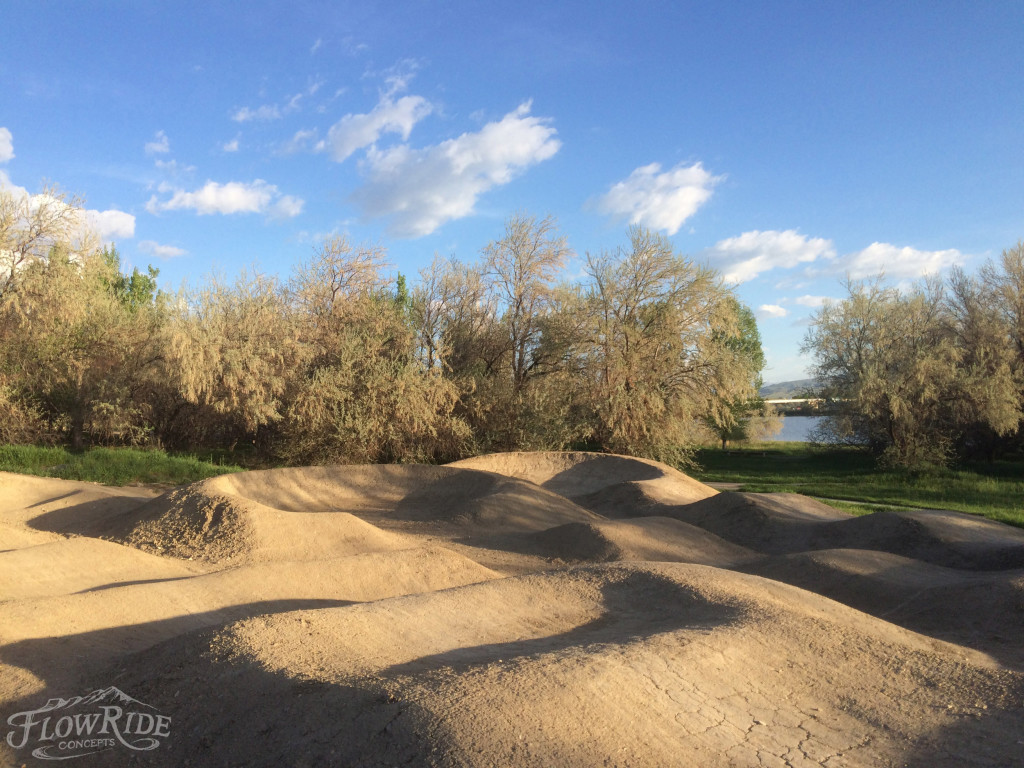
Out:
{"x": 659, "y": 200}
{"x": 6, "y": 145}
{"x": 286, "y": 207}
{"x": 744, "y": 257}
{"x": 812, "y": 301}
{"x": 299, "y": 141}
{"x": 233, "y": 197}
{"x": 11, "y": 187}
{"x": 159, "y": 146}
{"x": 316, "y": 45}
{"x": 230, "y": 146}
{"x": 421, "y": 189}
{"x": 771, "y": 310}
{"x": 354, "y": 132}
{"x": 111, "y": 224}
{"x": 160, "y": 251}
{"x": 174, "y": 168}
{"x": 263, "y": 113}
{"x": 267, "y": 112}
{"x": 350, "y": 47}
{"x": 897, "y": 263}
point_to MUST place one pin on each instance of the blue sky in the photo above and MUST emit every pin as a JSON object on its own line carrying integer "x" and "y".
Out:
{"x": 787, "y": 144}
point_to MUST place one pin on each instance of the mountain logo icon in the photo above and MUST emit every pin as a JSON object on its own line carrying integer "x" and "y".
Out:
{"x": 101, "y": 720}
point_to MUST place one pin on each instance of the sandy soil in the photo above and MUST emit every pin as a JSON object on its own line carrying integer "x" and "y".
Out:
{"x": 553, "y": 609}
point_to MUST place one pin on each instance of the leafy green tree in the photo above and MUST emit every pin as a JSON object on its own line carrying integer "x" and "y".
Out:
{"x": 135, "y": 291}
{"x": 737, "y": 418}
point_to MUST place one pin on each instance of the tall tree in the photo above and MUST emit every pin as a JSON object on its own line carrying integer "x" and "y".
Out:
{"x": 522, "y": 268}
{"x": 735, "y": 417}
{"x": 989, "y": 406}
{"x": 656, "y": 348}
{"x": 364, "y": 396}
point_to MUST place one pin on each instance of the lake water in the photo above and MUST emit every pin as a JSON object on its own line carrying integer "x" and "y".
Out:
{"x": 797, "y": 429}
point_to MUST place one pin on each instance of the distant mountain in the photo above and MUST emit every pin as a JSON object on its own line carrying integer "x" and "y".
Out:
{"x": 785, "y": 390}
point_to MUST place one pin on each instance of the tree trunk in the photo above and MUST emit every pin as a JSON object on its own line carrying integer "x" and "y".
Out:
{"x": 77, "y": 429}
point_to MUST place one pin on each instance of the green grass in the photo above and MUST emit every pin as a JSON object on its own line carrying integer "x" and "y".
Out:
{"x": 110, "y": 466}
{"x": 994, "y": 490}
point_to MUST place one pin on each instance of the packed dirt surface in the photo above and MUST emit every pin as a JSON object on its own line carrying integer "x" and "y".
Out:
{"x": 522, "y": 609}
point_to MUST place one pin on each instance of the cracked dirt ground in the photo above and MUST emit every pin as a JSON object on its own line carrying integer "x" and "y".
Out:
{"x": 516, "y": 609}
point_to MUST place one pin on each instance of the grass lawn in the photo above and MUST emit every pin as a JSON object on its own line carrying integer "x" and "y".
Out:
{"x": 110, "y": 466}
{"x": 993, "y": 490}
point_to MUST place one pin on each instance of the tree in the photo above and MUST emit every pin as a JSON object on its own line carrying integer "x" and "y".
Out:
{"x": 460, "y": 335}
{"x": 522, "y": 268}
{"x": 78, "y": 336}
{"x": 740, "y": 417}
{"x": 371, "y": 402}
{"x": 76, "y": 352}
{"x": 455, "y": 320}
{"x": 337, "y": 275}
{"x": 234, "y": 352}
{"x": 364, "y": 396}
{"x": 1005, "y": 281}
{"x": 31, "y": 226}
{"x": 909, "y": 371}
{"x": 656, "y": 350}
{"x": 989, "y": 408}
{"x": 135, "y": 291}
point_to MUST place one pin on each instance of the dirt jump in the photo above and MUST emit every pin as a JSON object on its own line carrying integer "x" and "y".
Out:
{"x": 521, "y": 609}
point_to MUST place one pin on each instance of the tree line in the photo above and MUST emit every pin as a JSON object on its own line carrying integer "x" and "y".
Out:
{"x": 930, "y": 374}
{"x": 343, "y": 361}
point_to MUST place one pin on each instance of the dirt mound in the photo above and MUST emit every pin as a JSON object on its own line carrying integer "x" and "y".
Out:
{"x": 198, "y": 523}
{"x": 950, "y": 539}
{"x": 658, "y": 539}
{"x": 989, "y": 606}
{"x": 787, "y": 523}
{"x": 415, "y": 493}
{"x": 625, "y": 499}
{"x": 637, "y": 665}
{"x": 129, "y": 616}
{"x": 315, "y": 512}
{"x": 16, "y": 536}
{"x": 79, "y": 564}
{"x": 64, "y": 506}
{"x": 575, "y": 474}
{"x": 366, "y": 616}
{"x": 188, "y": 523}
{"x": 775, "y": 523}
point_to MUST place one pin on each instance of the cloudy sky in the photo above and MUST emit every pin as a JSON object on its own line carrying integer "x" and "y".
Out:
{"x": 787, "y": 144}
